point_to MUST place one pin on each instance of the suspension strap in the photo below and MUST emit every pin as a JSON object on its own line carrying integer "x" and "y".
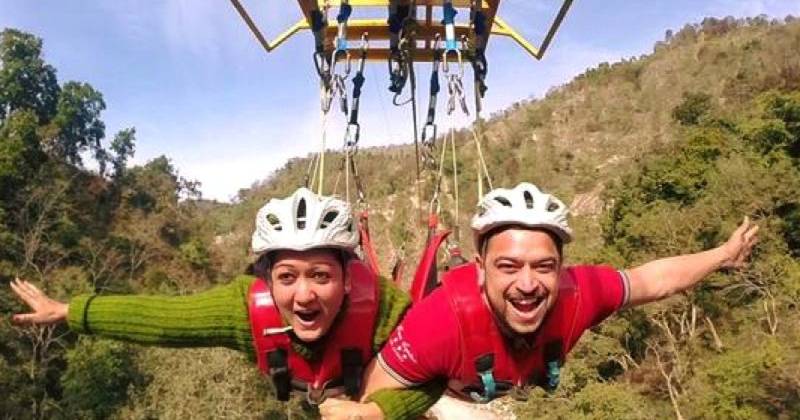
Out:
{"x": 429, "y": 130}
{"x": 402, "y": 29}
{"x": 480, "y": 66}
{"x": 341, "y": 52}
{"x": 345, "y": 10}
{"x": 449, "y": 22}
{"x": 353, "y": 131}
{"x": 322, "y": 62}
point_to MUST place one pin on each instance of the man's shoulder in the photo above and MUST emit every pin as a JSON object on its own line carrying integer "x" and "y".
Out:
{"x": 592, "y": 272}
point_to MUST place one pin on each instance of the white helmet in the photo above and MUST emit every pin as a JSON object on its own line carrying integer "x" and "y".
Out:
{"x": 522, "y": 205}
{"x": 302, "y": 221}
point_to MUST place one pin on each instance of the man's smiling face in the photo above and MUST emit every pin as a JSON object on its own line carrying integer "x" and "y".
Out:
{"x": 521, "y": 270}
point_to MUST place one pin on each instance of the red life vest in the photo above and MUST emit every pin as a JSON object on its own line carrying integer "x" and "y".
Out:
{"x": 348, "y": 346}
{"x": 490, "y": 367}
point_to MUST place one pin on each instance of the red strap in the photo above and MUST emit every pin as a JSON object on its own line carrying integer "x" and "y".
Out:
{"x": 366, "y": 243}
{"x": 425, "y": 277}
{"x": 263, "y": 314}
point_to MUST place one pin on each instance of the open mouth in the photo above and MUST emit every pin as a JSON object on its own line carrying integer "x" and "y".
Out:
{"x": 307, "y": 316}
{"x": 528, "y": 305}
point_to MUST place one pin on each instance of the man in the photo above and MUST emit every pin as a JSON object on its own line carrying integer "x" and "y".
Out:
{"x": 312, "y": 315}
{"x": 509, "y": 319}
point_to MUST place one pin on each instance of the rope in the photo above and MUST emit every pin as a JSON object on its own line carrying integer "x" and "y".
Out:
{"x": 455, "y": 183}
{"x": 481, "y": 159}
{"x": 321, "y": 166}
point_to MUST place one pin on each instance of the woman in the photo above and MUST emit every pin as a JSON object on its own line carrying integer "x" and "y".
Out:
{"x": 312, "y": 315}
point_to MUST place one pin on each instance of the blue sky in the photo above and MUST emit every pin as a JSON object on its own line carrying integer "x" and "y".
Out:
{"x": 198, "y": 88}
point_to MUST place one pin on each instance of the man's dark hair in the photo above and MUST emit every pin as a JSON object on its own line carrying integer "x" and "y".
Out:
{"x": 263, "y": 265}
{"x": 483, "y": 243}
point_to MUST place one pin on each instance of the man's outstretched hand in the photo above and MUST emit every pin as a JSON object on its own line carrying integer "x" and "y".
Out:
{"x": 739, "y": 246}
{"x": 46, "y": 311}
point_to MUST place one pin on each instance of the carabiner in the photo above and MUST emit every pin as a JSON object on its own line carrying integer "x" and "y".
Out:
{"x": 352, "y": 134}
{"x": 446, "y": 66}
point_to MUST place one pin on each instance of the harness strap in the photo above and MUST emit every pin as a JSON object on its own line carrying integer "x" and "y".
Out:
{"x": 484, "y": 366}
{"x": 279, "y": 372}
{"x": 352, "y": 371}
{"x": 426, "y": 278}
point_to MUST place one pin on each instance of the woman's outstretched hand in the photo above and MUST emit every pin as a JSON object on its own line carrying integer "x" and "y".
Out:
{"x": 46, "y": 311}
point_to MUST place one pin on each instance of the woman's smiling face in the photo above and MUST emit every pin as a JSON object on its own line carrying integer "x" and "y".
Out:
{"x": 308, "y": 288}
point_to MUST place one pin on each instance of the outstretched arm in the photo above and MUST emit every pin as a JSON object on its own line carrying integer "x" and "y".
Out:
{"x": 215, "y": 317}
{"x": 665, "y": 277}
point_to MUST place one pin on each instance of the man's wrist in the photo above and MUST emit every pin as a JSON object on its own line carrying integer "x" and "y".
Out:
{"x": 722, "y": 257}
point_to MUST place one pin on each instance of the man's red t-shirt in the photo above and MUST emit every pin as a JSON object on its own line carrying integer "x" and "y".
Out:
{"x": 426, "y": 344}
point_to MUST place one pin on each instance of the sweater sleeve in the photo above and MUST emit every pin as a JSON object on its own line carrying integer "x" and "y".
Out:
{"x": 397, "y": 404}
{"x": 392, "y": 305}
{"x": 214, "y": 318}
{"x": 409, "y": 403}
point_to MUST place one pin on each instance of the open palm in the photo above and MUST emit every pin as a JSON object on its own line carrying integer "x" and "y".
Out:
{"x": 46, "y": 311}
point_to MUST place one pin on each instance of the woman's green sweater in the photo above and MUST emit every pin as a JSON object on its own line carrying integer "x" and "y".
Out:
{"x": 219, "y": 318}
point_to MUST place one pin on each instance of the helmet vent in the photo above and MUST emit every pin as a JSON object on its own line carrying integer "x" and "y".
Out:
{"x": 301, "y": 214}
{"x": 502, "y": 200}
{"x": 274, "y": 221}
{"x": 552, "y": 206}
{"x": 528, "y": 199}
{"x": 328, "y": 219}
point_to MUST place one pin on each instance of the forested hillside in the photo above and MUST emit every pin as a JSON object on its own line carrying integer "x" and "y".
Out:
{"x": 658, "y": 154}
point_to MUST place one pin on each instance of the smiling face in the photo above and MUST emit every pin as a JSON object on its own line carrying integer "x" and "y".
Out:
{"x": 308, "y": 287}
{"x": 521, "y": 275}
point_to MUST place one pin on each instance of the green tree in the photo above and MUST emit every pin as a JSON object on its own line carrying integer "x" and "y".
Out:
{"x": 77, "y": 125}
{"x": 123, "y": 146}
{"x": 98, "y": 375}
{"x": 26, "y": 81}
{"x": 694, "y": 107}
{"x": 20, "y": 153}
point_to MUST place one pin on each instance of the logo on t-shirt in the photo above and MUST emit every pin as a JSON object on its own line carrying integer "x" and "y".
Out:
{"x": 401, "y": 347}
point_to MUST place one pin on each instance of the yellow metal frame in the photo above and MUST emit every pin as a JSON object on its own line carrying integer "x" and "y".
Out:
{"x": 378, "y": 29}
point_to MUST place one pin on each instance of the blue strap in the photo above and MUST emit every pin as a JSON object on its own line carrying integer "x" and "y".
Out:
{"x": 489, "y": 388}
{"x": 480, "y": 23}
{"x": 396, "y": 19}
{"x": 449, "y": 20}
{"x": 553, "y": 374}
{"x": 344, "y": 12}
{"x": 317, "y": 20}
{"x": 449, "y": 14}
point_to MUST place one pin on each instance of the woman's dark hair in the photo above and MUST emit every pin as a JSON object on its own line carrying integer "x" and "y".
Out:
{"x": 263, "y": 265}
